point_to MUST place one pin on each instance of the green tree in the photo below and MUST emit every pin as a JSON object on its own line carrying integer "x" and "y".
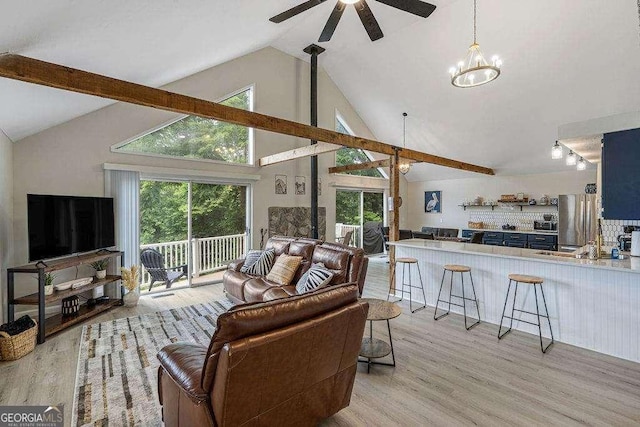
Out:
{"x": 217, "y": 210}
{"x": 199, "y": 138}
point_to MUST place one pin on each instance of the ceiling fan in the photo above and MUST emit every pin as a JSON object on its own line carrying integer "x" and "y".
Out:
{"x": 416, "y": 7}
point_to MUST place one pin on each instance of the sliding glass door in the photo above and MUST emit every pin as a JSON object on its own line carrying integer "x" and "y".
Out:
{"x": 196, "y": 224}
{"x": 362, "y": 213}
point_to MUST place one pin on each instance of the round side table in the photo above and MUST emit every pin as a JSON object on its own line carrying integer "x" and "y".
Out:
{"x": 374, "y": 348}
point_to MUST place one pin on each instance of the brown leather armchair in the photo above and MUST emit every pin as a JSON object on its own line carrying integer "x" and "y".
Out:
{"x": 290, "y": 361}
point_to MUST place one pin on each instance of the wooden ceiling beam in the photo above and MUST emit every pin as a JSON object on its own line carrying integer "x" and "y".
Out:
{"x": 296, "y": 153}
{"x": 31, "y": 70}
{"x": 360, "y": 166}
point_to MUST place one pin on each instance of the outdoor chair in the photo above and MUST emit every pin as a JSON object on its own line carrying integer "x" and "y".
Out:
{"x": 153, "y": 261}
{"x": 346, "y": 239}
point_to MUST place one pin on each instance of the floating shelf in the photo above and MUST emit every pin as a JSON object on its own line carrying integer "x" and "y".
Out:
{"x": 508, "y": 205}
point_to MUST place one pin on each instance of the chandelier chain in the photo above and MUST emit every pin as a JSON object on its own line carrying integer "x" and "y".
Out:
{"x": 404, "y": 129}
{"x": 475, "y": 14}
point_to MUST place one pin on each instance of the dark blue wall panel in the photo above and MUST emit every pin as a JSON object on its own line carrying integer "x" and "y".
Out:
{"x": 621, "y": 175}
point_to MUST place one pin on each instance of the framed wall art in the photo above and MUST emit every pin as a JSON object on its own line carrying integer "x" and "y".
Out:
{"x": 281, "y": 184}
{"x": 433, "y": 201}
{"x": 301, "y": 186}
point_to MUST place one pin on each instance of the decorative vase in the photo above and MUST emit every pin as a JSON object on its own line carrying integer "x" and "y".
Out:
{"x": 101, "y": 274}
{"x": 130, "y": 299}
{"x": 48, "y": 290}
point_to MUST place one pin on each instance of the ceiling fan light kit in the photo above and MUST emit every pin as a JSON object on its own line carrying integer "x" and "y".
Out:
{"x": 415, "y": 7}
{"x": 475, "y": 70}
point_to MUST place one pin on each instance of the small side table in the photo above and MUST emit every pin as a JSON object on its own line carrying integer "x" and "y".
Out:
{"x": 374, "y": 348}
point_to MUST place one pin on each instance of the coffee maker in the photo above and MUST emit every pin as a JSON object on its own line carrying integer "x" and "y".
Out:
{"x": 624, "y": 240}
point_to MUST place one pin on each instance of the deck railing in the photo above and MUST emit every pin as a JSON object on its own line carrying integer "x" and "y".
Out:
{"x": 342, "y": 229}
{"x": 208, "y": 253}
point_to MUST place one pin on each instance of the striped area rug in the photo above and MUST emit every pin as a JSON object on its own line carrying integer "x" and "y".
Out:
{"x": 116, "y": 379}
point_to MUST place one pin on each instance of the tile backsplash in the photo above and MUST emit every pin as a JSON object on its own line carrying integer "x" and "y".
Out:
{"x": 612, "y": 228}
{"x": 522, "y": 220}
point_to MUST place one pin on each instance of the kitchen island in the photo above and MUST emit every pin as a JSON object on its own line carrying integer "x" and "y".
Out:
{"x": 594, "y": 304}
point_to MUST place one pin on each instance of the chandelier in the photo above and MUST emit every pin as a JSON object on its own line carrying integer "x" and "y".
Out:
{"x": 404, "y": 165}
{"x": 475, "y": 70}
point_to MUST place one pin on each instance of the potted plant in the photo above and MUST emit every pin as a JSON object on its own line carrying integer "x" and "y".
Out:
{"x": 130, "y": 282}
{"x": 100, "y": 267}
{"x": 48, "y": 283}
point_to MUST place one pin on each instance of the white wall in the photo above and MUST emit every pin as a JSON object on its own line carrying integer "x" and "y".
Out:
{"x": 68, "y": 158}
{"x": 6, "y": 216}
{"x": 455, "y": 191}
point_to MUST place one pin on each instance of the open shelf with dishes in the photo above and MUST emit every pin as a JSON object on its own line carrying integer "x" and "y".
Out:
{"x": 53, "y": 324}
{"x": 508, "y": 205}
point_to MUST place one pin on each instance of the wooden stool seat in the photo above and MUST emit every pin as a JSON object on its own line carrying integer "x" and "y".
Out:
{"x": 457, "y": 268}
{"x": 407, "y": 260}
{"x": 523, "y": 278}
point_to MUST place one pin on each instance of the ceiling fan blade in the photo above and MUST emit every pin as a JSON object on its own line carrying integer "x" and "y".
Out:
{"x": 332, "y": 22}
{"x": 295, "y": 10}
{"x": 416, "y": 7}
{"x": 369, "y": 21}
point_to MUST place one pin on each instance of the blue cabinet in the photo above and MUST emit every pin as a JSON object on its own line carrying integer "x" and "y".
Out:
{"x": 543, "y": 242}
{"x": 493, "y": 238}
{"x": 621, "y": 175}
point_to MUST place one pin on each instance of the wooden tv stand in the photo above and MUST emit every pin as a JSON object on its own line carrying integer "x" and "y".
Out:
{"x": 50, "y": 325}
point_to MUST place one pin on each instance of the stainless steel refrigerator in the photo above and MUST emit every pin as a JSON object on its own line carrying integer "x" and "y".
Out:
{"x": 577, "y": 220}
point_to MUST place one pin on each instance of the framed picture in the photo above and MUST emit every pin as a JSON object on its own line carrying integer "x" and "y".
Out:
{"x": 433, "y": 201}
{"x": 281, "y": 184}
{"x": 300, "y": 185}
{"x": 520, "y": 197}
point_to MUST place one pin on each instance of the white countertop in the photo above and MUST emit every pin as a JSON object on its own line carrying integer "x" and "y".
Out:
{"x": 545, "y": 232}
{"x": 628, "y": 264}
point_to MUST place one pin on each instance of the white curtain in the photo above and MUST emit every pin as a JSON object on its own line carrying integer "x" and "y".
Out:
{"x": 124, "y": 187}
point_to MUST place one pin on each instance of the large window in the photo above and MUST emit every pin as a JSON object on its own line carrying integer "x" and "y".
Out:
{"x": 195, "y": 137}
{"x": 349, "y": 156}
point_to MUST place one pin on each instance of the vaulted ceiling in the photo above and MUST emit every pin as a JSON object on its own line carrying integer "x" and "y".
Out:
{"x": 564, "y": 61}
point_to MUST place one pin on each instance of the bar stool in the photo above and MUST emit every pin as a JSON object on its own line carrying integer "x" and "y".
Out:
{"x": 407, "y": 263}
{"x": 531, "y": 280}
{"x": 457, "y": 269}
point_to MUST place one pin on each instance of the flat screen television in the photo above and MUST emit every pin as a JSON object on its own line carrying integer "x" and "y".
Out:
{"x": 65, "y": 225}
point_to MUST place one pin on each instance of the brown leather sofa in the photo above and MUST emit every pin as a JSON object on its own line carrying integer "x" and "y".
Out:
{"x": 348, "y": 264}
{"x": 284, "y": 362}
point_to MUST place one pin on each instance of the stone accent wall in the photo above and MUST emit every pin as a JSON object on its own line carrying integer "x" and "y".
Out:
{"x": 296, "y": 222}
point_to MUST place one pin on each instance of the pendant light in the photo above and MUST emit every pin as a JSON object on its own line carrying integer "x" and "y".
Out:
{"x": 475, "y": 70}
{"x": 556, "y": 151}
{"x": 404, "y": 165}
{"x": 572, "y": 159}
{"x": 582, "y": 165}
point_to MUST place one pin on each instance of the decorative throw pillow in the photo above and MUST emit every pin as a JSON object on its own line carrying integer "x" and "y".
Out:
{"x": 284, "y": 269}
{"x": 249, "y": 261}
{"x": 316, "y": 277}
{"x": 263, "y": 265}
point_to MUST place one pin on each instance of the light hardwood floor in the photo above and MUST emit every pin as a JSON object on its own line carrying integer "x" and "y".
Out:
{"x": 445, "y": 375}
